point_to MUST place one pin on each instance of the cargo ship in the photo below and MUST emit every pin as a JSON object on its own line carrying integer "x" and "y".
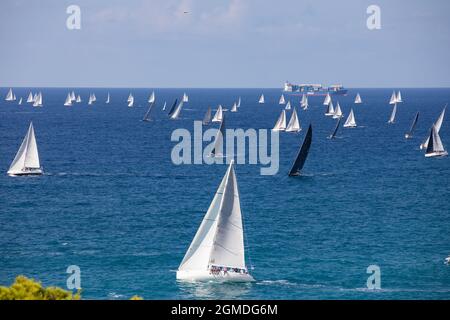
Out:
{"x": 314, "y": 89}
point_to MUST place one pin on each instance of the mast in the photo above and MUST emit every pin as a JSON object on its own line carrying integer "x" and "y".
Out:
{"x": 333, "y": 135}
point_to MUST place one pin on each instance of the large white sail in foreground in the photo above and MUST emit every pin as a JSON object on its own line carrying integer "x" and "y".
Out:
{"x": 26, "y": 161}
{"x": 218, "y": 116}
{"x": 294, "y": 123}
{"x": 350, "y": 122}
{"x": 435, "y": 147}
{"x": 217, "y": 251}
{"x": 438, "y": 125}
{"x": 280, "y": 125}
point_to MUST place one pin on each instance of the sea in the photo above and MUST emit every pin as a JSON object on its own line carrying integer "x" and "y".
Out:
{"x": 113, "y": 203}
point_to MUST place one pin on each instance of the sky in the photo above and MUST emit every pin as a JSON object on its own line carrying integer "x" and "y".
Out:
{"x": 224, "y": 43}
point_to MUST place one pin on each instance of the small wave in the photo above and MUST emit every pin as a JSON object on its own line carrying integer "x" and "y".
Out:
{"x": 114, "y": 295}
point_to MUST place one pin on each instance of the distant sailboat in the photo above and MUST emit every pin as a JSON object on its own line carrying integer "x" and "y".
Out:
{"x": 435, "y": 147}
{"x": 333, "y": 135}
{"x": 302, "y": 154}
{"x": 10, "y": 95}
{"x": 304, "y": 103}
{"x": 94, "y": 98}
{"x": 207, "y": 118}
{"x": 130, "y": 100}
{"x": 30, "y": 97}
{"x": 330, "y": 109}
{"x": 164, "y": 106}
{"x": 294, "y": 123}
{"x": 172, "y": 109}
{"x": 20, "y": 101}
{"x": 438, "y": 125}
{"x": 234, "y": 107}
{"x": 68, "y": 102}
{"x": 176, "y": 113}
{"x": 78, "y": 99}
{"x": 151, "y": 99}
{"x": 185, "y": 97}
{"x": 217, "y": 251}
{"x": 394, "y": 112}
{"x": 288, "y": 106}
{"x": 350, "y": 122}
{"x": 393, "y": 99}
{"x": 413, "y": 126}
{"x": 337, "y": 112}
{"x": 217, "y": 150}
{"x": 280, "y": 125}
{"x": 107, "y": 99}
{"x": 72, "y": 96}
{"x": 327, "y": 100}
{"x": 218, "y": 116}
{"x": 26, "y": 161}
{"x": 282, "y": 100}
{"x": 261, "y": 99}
{"x": 399, "y": 97}
{"x": 91, "y": 99}
{"x": 239, "y": 102}
{"x": 147, "y": 114}
{"x": 358, "y": 99}
{"x": 38, "y": 100}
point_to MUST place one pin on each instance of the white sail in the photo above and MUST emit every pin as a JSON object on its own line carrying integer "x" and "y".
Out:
{"x": 288, "y": 106}
{"x": 393, "y": 99}
{"x": 177, "y": 111}
{"x": 394, "y": 112}
{"x": 26, "y": 160}
{"x": 72, "y": 96}
{"x": 280, "y": 125}
{"x": 91, "y": 99}
{"x": 130, "y": 100}
{"x": 164, "y": 106}
{"x": 94, "y": 98}
{"x": 294, "y": 123}
{"x": 107, "y": 99}
{"x": 130, "y": 97}
{"x": 435, "y": 146}
{"x": 68, "y": 101}
{"x": 337, "y": 111}
{"x": 38, "y": 100}
{"x": 219, "y": 241}
{"x": 218, "y": 116}
{"x": 151, "y": 99}
{"x": 30, "y": 97}
{"x": 358, "y": 99}
{"x": 399, "y": 97}
{"x": 10, "y": 95}
{"x": 185, "y": 97}
{"x": 78, "y": 99}
{"x": 282, "y": 100}
{"x": 261, "y": 99}
{"x": 330, "y": 109}
{"x": 234, "y": 107}
{"x": 350, "y": 122}
{"x": 239, "y": 102}
{"x": 438, "y": 125}
{"x": 327, "y": 100}
{"x": 304, "y": 102}
{"x": 14, "y": 97}
{"x": 20, "y": 101}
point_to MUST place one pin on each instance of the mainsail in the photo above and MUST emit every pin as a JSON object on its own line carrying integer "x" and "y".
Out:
{"x": 337, "y": 112}
{"x": 302, "y": 154}
{"x": 394, "y": 112}
{"x": 218, "y": 142}
{"x": 350, "y": 122}
{"x": 10, "y": 95}
{"x": 27, "y": 158}
{"x": 130, "y": 100}
{"x": 393, "y": 99}
{"x": 304, "y": 102}
{"x": 282, "y": 100}
{"x": 435, "y": 146}
{"x": 413, "y": 126}
{"x": 438, "y": 125}
{"x": 172, "y": 109}
{"x": 399, "y": 97}
{"x": 261, "y": 99}
{"x": 30, "y": 97}
{"x": 239, "y": 102}
{"x": 280, "y": 125}
{"x": 151, "y": 99}
{"x": 358, "y": 99}
{"x": 185, "y": 97}
{"x": 234, "y": 107}
{"x": 330, "y": 109}
{"x": 333, "y": 135}
{"x": 294, "y": 123}
{"x": 107, "y": 99}
{"x": 177, "y": 111}
{"x": 327, "y": 100}
{"x": 68, "y": 101}
{"x": 218, "y": 116}
{"x": 288, "y": 106}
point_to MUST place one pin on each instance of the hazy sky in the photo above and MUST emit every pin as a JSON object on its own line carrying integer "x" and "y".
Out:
{"x": 224, "y": 43}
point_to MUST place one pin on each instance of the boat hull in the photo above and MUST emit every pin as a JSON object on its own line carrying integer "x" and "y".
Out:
{"x": 436, "y": 154}
{"x": 33, "y": 172}
{"x": 204, "y": 275}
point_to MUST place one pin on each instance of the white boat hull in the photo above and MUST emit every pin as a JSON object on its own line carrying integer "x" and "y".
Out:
{"x": 349, "y": 125}
{"x": 29, "y": 172}
{"x": 436, "y": 154}
{"x": 204, "y": 275}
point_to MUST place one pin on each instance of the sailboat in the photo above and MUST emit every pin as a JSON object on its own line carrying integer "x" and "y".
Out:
{"x": 399, "y": 97}
{"x": 68, "y": 102}
{"x": 304, "y": 102}
{"x": 91, "y": 99}
{"x": 394, "y": 112}
{"x": 94, "y": 98}
{"x": 78, "y": 99}
{"x": 38, "y": 100}
{"x": 172, "y": 109}
{"x": 218, "y": 116}
{"x": 176, "y": 113}
{"x": 327, "y": 100}
{"x": 350, "y": 122}
{"x": 30, "y": 97}
{"x": 288, "y": 106}
{"x": 302, "y": 154}
{"x": 147, "y": 114}
{"x": 151, "y": 99}
{"x": 10, "y": 95}
{"x": 217, "y": 150}
{"x": 393, "y": 99}
{"x": 207, "y": 118}
{"x": 239, "y": 103}
{"x": 280, "y": 125}
{"x": 282, "y": 100}
{"x": 164, "y": 106}
{"x": 261, "y": 99}
{"x": 358, "y": 99}
{"x": 413, "y": 126}
{"x": 333, "y": 135}
{"x": 234, "y": 107}
{"x": 435, "y": 147}
{"x": 337, "y": 112}
{"x": 72, "y": 96}
{"x": 294, "y": 123}
{"x": 217, "y": 251}
{"x": 185, "y": 97}
{"x": 438, "y": 125}
{"x": 107, "y": 99}
{"x": 330, "y": 109}
{"x": 26, "y": 161}
{"x": 130, "y": 100}
{"x": 20, "y": 101}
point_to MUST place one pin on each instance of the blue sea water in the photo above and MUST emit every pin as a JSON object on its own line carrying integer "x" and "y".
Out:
{"x": 112, "y": 202}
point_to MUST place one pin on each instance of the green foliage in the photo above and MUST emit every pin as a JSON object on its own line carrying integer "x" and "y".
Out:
{"x": 24, "y": 288}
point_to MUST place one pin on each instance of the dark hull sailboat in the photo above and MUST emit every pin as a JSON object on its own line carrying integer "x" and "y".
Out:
{"x": 333, "y": 135}
{"x": 172, "y": 109}
{"x": 413, "y": 126}
{"x": 302, "y": 154}
{"x": 218, "y": 144}
{"x": 147, "y": 114}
